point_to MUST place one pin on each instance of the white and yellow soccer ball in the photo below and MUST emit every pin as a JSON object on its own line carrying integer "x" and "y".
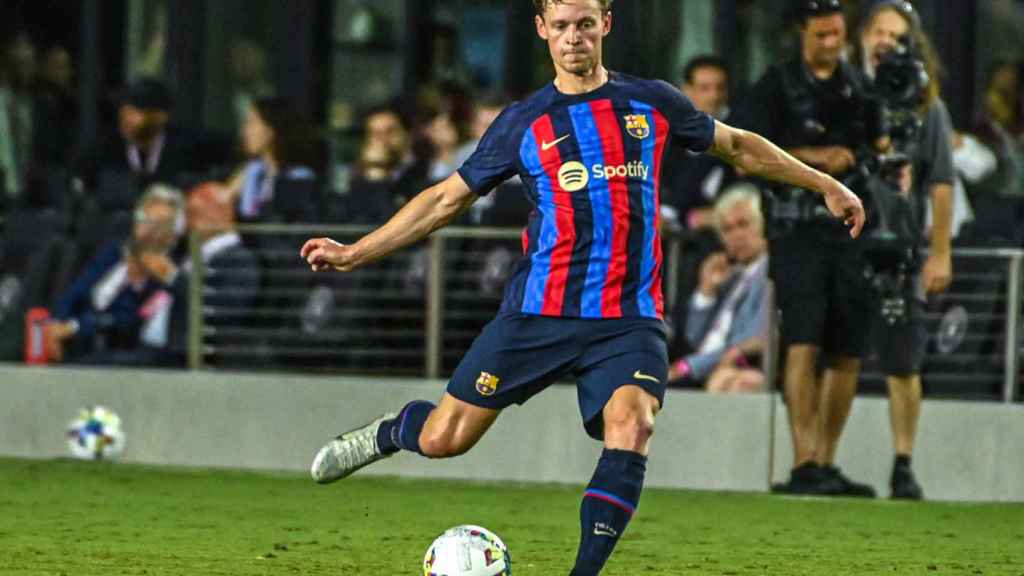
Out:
{"x": 95, "y": 434}
{"x": 467, "y": 551}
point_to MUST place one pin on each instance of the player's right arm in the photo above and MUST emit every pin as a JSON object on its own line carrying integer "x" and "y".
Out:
{"x": 429, "y": 210}
{"x": 756, "y": 155}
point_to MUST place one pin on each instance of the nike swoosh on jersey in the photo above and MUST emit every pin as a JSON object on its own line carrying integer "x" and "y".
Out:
{"x": 600, "y": 532}
{"x": 545, "y": 146}
{"x": 641, "y": 376}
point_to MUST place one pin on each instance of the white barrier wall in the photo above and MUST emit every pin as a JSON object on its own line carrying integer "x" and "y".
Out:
{"x": 967, "y": 451}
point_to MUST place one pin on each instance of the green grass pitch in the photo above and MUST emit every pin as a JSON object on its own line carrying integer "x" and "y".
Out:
{"x": 76, "y": 519}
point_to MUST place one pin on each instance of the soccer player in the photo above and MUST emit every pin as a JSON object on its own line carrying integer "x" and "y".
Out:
{"x": 586, "y": 300}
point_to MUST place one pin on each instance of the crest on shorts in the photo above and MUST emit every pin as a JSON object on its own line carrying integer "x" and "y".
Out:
{"x": 487, "y": 384}
{"x": 637, "y": 126}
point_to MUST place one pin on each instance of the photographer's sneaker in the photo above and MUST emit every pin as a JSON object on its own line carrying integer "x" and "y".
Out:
{"x": 904, "y": 485}
{"x": 849, "y": 487}
{"x": 809, "y": 479}
{"x": 349, "y": 452}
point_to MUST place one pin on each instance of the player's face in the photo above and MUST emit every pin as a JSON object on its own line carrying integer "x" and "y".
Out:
{"x": 574, "y": 30}
{"x": 823, "y": 38}
{"x": 883, "y": 35}
{"x": 709, "y": 90}
{"x": 741, "y": 233}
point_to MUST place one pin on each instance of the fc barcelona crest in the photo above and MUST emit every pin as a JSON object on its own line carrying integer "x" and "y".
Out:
{"x": 637, "y": 126}
{"x": 487, "y": 384}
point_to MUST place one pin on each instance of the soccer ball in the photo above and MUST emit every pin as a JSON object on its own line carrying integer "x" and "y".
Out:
{"x": 467, "y": 551}
{"x": 95, "y": 434}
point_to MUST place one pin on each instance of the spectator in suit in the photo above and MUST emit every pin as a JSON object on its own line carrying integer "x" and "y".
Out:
{"x": 387, "y": 172}
{"x": 147, "y": 146}
{"x": 231, "y": 276}
{"x": 103, "y": 310}
{"x": 727, "y": 322}
{"x": 279, "y": 183}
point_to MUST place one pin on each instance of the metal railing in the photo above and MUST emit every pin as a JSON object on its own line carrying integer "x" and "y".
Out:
{"x": 418, "y": 311}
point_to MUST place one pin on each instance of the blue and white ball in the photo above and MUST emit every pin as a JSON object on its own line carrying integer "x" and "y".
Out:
{"x": 467, "y": 551}
{"x": 95, "y": 434}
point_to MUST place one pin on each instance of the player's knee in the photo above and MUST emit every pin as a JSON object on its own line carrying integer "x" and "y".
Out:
{"x": 629, "y": 429}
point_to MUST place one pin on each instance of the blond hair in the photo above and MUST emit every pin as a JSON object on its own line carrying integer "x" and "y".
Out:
{"x": 542, "y": 5}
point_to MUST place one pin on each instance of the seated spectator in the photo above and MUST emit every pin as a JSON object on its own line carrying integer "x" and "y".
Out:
{"x": 279, "y": 184}
{"x": 105, "y": 307}
{"x": 694, "y": 182}
{"x": 387, "y": 172}
{"x": 31, "y": 130}
{"x": 231, "y": 278}
{"x": 1003, "y": 102}
{"x": 58, "y": 99}
{"x": 147, "y": 145}
{"x": 508, "y": 205}
{"x": 973, "y": 162}
{"x": 727, "y": 321}
{"x": 1000, "y": 127}
{"x": 446, "y": 134}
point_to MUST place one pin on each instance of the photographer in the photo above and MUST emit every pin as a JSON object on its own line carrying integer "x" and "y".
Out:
{"x": 902, "y": 66}
{"x": 814, "y": 105}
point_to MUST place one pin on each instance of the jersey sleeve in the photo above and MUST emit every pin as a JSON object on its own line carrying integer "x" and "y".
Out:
{"x": 691, "y": 128}
{"x": 494, "y": 159}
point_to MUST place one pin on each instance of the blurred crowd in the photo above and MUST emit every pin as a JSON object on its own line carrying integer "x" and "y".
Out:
{"x": 96, "y": 232}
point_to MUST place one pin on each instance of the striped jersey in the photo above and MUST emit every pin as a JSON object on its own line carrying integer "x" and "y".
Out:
{"x": 591, "y": 164}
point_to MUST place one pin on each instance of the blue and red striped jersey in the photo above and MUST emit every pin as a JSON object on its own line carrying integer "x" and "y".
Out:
{"x": 591, "y": 164}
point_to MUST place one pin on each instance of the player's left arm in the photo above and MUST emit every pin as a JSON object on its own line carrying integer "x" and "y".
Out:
{"x": 431, "y": 209}
{"x": 756, "y": 155}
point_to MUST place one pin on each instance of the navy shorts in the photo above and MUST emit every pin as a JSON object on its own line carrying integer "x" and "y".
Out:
{"x": 518, "y": 355}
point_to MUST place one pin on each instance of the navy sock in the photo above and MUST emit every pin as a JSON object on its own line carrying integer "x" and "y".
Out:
{"x": 608, "y": 504}
{"x": 403, "y": 431}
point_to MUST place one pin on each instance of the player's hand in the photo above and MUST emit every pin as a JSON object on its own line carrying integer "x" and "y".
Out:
{"x": 324, "y": 254}
{"x": 937, "y": 273}
{"x": 713, "y": 272}
{"x": 845, "y": 205}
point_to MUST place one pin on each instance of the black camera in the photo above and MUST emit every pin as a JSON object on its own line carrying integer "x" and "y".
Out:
{"x": 900, "y": 83}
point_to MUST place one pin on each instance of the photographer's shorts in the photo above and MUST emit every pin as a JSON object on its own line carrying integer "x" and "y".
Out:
{"x": 822, "y": 293}
{"x": 901, "y": 345}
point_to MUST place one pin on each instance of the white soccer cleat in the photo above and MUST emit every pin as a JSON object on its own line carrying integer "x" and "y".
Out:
{"x": 349, "y": 452}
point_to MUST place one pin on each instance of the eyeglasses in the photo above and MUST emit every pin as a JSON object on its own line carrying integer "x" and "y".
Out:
{"x": 140, "y": 217}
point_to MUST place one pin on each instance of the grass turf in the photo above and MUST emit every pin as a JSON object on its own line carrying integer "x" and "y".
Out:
{"x": 74, "y": 518}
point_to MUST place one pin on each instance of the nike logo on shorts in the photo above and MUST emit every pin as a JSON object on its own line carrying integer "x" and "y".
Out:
{"x": 545, "y": 146}
{"x": 641, "y": 376}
